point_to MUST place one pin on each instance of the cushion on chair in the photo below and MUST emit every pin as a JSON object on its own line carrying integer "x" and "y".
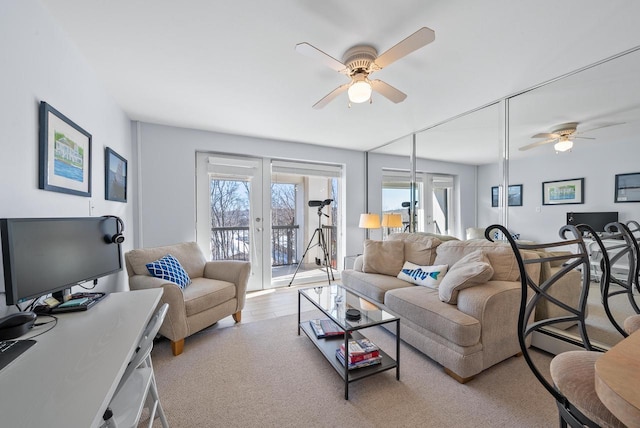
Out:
{"x": 386, "y": 257}
{"x": 472, "y": 269}
{"x": 170, "y": 269}
{"x": 632, "y": 323}
{"x": 573, "y": 374}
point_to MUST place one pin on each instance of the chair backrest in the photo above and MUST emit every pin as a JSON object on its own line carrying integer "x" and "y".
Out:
{"x": 145, "y": 345}
{"x": 534, "y": 290}
{"x": 620, "y": 245}
{"x": 634, "y": 230}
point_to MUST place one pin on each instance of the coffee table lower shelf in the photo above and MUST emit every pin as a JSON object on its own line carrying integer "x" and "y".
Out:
{"x": 328, "y": 348}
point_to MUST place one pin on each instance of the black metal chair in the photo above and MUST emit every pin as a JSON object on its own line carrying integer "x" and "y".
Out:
{"x": 620, "y": 245}
{"x": 573, "y": 372}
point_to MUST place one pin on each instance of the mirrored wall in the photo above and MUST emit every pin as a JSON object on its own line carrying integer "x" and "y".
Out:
{"x": 502, "y": 163}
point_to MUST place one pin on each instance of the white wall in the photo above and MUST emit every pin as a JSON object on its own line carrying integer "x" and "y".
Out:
{"x": 597, "y": 162}
{"x": 167, "y": 169}
{"x": 39, "y": 63}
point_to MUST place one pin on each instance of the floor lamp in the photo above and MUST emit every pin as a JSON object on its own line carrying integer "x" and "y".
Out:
{"x": 369, "y": 221}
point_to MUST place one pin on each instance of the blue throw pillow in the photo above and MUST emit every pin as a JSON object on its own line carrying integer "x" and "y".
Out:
{"x": 169, "y": 268}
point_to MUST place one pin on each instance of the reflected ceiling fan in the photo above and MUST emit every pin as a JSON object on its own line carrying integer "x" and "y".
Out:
{"x": 362, "y": 60}
{"x": 563, "y": 136}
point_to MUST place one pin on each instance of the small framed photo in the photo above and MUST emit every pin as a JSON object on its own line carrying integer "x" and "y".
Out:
{"x": 515, "y": 195}
{"x": 495, "y": 196}
{"x": 115, "y": 176}
{"x": 563, "y": 192}
{"x": 628, "y": 187}
{"x": 65, "y": 154}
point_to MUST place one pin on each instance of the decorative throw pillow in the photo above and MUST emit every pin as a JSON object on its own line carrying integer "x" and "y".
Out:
{"x": 385, "y": 257}
{"x": 170, "y": 269}
{"x": 429, "y": 276}
{"x": 472, "y": 269}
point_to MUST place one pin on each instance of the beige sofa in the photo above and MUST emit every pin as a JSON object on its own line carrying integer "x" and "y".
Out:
{"x": 468, "y": 336}
{"x": 217, "y": 289}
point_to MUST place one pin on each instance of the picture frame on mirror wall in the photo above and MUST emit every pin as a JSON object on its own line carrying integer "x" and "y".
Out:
{"x": 563, "y": 192}
{"x": 515, "y": 195}
{"x": 115, "y": 176}
{"x": 627, "y": 187}
{"x": 64, "y": 154}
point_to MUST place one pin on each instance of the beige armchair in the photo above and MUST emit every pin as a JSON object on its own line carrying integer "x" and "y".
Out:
{"x": 217, "y": 290}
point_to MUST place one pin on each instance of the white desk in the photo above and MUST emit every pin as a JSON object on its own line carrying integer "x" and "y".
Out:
{"x": 69, "y": 376}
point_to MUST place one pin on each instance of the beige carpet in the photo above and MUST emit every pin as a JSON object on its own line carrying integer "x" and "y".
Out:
{"x": 262, "y": 374}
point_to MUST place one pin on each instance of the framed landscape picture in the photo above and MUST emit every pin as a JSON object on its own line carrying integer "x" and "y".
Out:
{"x": 628, "y": 187}
{"x": 115, "y": 176}
{"x": 563, "y": 192}
{"x": 65, "y": 154}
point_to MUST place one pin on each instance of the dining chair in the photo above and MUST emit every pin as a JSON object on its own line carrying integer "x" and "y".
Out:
{"x": 572, "y": 373}
{"x": 137, "y": 389}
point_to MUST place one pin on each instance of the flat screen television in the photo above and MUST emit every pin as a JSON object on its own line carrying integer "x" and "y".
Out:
{"x": 597, "y": 220}
{"x": 45, "y": 255}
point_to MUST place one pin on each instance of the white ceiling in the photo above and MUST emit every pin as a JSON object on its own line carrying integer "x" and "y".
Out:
{"x": 230, "y": 66}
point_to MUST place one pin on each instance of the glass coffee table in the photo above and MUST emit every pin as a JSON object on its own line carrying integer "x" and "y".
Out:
{"x": 334, "y": 301}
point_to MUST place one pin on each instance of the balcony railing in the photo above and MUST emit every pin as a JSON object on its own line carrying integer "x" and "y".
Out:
{"x": 233, "y": 243}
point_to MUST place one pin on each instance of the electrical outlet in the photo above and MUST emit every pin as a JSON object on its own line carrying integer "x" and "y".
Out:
{"x": 537, "y": 209}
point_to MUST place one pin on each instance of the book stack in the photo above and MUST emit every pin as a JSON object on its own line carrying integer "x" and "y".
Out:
{"x": 362, "y": 353}
{"x": 325, "y": 328}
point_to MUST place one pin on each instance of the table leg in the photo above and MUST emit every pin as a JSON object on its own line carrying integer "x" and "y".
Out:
{"x": 346, "y": 365}
{"x": 298, "y": 312}
{"x": 398, "y": 349}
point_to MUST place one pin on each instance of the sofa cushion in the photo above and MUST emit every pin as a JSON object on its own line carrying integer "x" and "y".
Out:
{"x": 422, "y": 306}
{"x": 418, "y": 248}
{"x": 385, "y": 257}
{"x": 500, "y": 255}
{"x": 472, "y": 269}
{"x": 428, "y": 276}
{"x": 170, "y": 269}
{"x": 372, "y": 285}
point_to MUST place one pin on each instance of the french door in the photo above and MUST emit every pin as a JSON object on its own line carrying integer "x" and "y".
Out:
{"x": 233, "y": 222}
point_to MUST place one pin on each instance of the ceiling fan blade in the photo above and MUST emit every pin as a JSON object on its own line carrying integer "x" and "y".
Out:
{"x": 546, "y": 135}
{"x": 420, "y": 38}
{"x": 598, "y": 127}
{"x": 331, "y": 95}
{"x": 312, "y": 52}
{"x": 537, "y": 143}
{"x": 388, "y": 91}
{"x": 574, "y": 137}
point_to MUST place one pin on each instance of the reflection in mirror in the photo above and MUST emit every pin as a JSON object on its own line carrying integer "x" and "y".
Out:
{"x": 597, "y": 113}
{"x": 449, "y": 156}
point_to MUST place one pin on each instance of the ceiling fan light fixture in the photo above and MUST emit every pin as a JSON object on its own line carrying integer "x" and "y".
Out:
{"x": 359, "y": 91}
{"x": 563, "y": 145}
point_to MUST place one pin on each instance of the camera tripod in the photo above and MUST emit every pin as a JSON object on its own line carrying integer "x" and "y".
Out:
{"x": 322, "y": 243}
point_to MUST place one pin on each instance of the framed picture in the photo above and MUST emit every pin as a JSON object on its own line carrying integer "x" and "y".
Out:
{"x": 628, "y": 187}
{"x": 563, "y": 192}
{"x": 115, "y": 176}
{"x": 65, "y": 154}
{"x": 515, "y": 195}
{"x": 495, "y": 196}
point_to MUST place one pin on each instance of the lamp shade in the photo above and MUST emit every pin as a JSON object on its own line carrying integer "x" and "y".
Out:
{"x": 369, "y": 221}
{"x": 391, "y": 220}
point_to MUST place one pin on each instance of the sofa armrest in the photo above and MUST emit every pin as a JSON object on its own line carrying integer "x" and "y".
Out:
{"x": 234, "y": 271}
{"x": 358, "y": 263}
{"x": 175, "y": 325}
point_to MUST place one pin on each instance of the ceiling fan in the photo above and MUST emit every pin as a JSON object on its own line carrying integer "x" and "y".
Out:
{"x": 362, "y": 60}
{"x": 563, "y": 136}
